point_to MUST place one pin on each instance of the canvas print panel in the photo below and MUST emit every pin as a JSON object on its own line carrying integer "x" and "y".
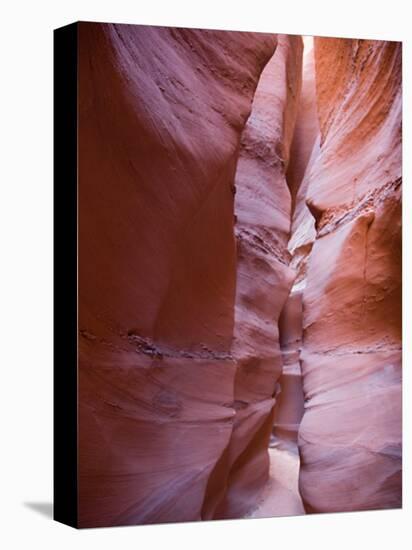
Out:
{"x": 239, "y": 234}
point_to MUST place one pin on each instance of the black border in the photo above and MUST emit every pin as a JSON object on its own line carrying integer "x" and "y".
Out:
{"x": 65, "y": 275}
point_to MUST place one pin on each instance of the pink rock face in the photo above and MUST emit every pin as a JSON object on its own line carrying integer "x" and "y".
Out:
{"x": 350, "y": 435}
{"x": 262, "y": 208}
{"x": 161, "y": 113}
{"x": 239, "y": 266}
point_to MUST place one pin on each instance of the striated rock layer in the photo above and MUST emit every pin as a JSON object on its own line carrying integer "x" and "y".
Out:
{"x": 161, "y": 114}
{"x": 350, "y": 435}
{"x": 262, "y": 210}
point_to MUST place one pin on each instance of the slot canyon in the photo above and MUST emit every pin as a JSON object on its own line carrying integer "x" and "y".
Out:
{"x": 240, "y": 278}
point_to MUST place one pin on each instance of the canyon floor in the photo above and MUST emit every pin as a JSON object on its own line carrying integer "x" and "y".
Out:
{"x": 280, "y": 496}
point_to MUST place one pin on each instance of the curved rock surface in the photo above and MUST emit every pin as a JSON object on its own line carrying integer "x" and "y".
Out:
{"x": 161, "y": 114}
{"x": 239, "y": 232}
{"x": 262, "y": 209}
{"x": 350, "y": 435}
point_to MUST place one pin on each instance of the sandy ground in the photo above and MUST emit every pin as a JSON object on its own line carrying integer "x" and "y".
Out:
{"x": 281, "y": 497}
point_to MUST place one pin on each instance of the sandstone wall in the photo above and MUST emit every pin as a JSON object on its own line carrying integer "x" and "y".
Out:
{"x": 262, "y": 209}
{"x": 303, "y": 152}
{"x": 201, "y": 230}
{"x": 161, "y": 113}
{"x": 350, "y": 435}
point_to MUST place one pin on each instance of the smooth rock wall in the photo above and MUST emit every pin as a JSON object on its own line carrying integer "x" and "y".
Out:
{"x": 214, "y": 206}
{"x": 161, "y": 114}
{"x": 350, "y": 435}
{"x": 264, "y": 279}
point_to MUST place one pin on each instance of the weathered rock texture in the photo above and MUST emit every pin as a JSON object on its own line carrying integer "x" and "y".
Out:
{"x": 163, "y": 435}
{"x": 262, "y": 209}
{"x": 350, "y": 435}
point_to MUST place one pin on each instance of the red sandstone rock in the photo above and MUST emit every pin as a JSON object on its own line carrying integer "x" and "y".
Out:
{"x": 350, "y": 435}
{"x": 161, "y": 112}
{"x": 262, "y": 207}
{"x": 304, "y": 150}
{"x": 189, "y": 212}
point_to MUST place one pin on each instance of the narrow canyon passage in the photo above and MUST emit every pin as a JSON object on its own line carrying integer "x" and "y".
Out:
{"x": 263, "y": 210}
{"x": 346, "y": 416}
{"x": 283, "y": 103}
{"x": 239, "y": 275}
